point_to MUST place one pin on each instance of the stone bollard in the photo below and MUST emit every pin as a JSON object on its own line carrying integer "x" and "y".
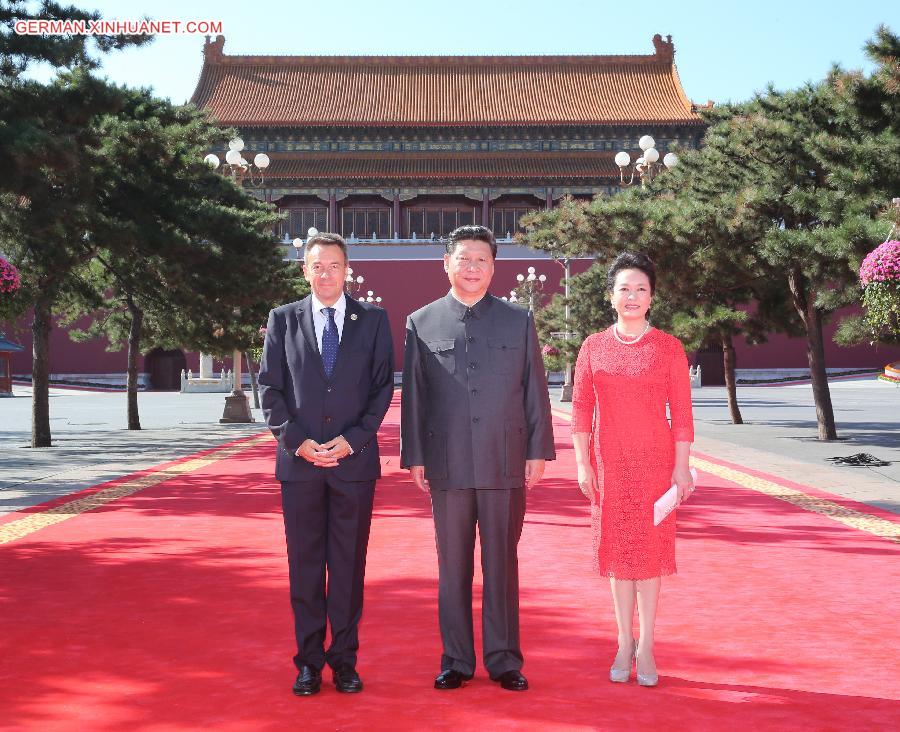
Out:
{"x": 695, "y": 376}
{"x": 206, "y": 366}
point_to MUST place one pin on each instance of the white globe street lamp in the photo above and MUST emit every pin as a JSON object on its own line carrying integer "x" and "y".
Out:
{"x": 530, "y": 284}
{"x": 299, "y": 243}
{"x": 237, "y": 166}
{"x": 647, "y": 165}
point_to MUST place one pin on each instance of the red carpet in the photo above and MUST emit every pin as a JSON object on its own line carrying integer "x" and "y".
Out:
{"x": 168, "y": 610}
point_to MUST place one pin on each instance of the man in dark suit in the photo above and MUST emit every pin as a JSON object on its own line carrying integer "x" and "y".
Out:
{"x": 475, "y": 431}
{"x": 327, "y": 377}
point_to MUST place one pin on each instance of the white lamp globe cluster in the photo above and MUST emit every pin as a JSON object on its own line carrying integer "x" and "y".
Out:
{"x": 234, "y": 158}
{"x": 531, "y": 277}
{"x": 649, "y": 157}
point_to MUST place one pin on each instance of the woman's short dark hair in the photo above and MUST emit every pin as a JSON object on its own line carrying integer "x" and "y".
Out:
{"x": 631, "y": 260}
{"x": 472, "y": 232}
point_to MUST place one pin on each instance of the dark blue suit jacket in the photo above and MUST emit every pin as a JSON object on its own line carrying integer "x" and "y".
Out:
{"x": 300, "y": 402}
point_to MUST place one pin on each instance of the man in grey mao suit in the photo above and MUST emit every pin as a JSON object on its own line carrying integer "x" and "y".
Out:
{"x": 475, "y": 431}
{"x": 327, "y": 377}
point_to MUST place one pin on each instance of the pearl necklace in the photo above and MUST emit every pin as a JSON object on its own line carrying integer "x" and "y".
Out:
{"x": 629, "y": 343}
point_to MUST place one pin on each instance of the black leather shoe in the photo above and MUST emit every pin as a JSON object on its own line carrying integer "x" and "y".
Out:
{"x": 308, "y": 682}
{"x": 346, "y": 680}
{"x": 512, "y": 681}
{"x": 451, "y": 679}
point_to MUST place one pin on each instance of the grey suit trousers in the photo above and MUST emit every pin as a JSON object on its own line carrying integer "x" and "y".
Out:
{"x": 499, "y": 515}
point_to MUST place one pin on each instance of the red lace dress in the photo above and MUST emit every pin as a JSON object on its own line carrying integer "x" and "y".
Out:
{"x": 619, "y": 397}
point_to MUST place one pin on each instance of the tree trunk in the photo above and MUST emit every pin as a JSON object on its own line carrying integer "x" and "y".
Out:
{"x": 805, "y": 303}
{"x": 134, "y": 348}
{"x": 253, "y": 384}
{"x": 730, "y": 380}
{"x": 815, "y": 352}
{"x": 40, "y": 372}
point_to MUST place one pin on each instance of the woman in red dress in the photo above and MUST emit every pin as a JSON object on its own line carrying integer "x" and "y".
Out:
{"x": 628, "y": 454}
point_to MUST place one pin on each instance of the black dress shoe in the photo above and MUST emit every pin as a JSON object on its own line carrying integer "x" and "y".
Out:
{"x": 346, "y": 680}
{"x": 451, "y": 679}
{"x": 512, "y": 680}
{"x": 308, "y": 682}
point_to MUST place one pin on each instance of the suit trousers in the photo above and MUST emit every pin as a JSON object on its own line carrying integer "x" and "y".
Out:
{"x": 499, "y": 515}
{"x": 326, "y": 524}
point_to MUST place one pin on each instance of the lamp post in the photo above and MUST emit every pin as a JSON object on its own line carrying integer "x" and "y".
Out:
{"x": 237, "y": 405}
{"x": 646, "y": 166}
{"x": 237, "y": 166}
{"x": 529, "y": 285}
{"x": 566, "y": 393}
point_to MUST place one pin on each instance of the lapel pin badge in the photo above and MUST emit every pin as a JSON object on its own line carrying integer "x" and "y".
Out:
{"x": 353, "y": 316}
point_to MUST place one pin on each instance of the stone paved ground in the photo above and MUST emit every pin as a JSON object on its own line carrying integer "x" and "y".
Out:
{"x": 91, "y": 445}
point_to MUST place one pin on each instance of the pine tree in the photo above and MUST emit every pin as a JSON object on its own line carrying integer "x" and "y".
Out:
{"x": 185, "y": 257}
{"x": 817, "y": 231}
{"x": 46, "y": 147}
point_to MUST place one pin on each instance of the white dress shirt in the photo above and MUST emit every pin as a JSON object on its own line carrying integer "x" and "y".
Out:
{"x": 320, "y": 319}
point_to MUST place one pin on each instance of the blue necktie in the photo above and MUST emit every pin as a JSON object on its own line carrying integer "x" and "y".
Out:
{"x": 329, "y": 342}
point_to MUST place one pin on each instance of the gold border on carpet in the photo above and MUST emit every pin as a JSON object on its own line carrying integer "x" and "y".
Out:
{"x": 20, "y": 528}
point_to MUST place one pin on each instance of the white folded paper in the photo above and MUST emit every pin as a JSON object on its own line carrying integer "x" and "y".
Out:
{"x": 665, "y": 504}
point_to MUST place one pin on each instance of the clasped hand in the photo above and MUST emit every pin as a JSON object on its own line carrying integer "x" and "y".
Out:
{"x": 326, "y": 454}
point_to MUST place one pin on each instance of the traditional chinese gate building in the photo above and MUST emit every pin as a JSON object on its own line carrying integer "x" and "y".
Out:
{"x": 410, "y": 147}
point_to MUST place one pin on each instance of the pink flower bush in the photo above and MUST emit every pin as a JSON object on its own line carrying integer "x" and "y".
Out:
{"x": 881, "y": 264}
{"x": 549, "y": 350}
{"x": 880, "y": 278}
{"x": 10, "y": 281}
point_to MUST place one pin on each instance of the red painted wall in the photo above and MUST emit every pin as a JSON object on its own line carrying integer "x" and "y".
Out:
{"x": 67, "y": 356}
{"x": 780, "y": 351}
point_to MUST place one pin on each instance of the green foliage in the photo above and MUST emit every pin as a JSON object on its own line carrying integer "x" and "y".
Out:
{"x": 882, "y": 303}
{"x": 19, "y": 52}
{"x": 48, "y": 187}
{"x": 185, "y": 246}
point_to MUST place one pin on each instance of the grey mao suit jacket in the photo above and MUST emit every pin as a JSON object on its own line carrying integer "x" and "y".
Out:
{"x": 474, "y": 405}
{"x": 300, "y": 401}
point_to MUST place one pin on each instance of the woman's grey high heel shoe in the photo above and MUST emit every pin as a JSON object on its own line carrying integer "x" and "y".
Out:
{"x": 621, "y": 675}
{"x": 645, "y": 679}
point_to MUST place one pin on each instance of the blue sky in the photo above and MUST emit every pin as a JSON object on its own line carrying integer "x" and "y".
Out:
{"x": 724, "y": 51}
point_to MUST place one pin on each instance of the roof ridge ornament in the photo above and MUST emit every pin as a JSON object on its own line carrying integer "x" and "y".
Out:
{"x": 665, "y": 49}
{"x": 213, "y": 51}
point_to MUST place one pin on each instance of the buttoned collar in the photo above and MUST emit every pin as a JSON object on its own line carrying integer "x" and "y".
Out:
{"x": 460, "y": 309}
{"x": 340, "y": 306}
